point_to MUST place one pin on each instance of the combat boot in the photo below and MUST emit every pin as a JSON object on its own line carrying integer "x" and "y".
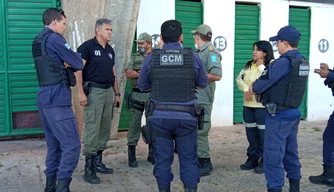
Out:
{"x": 250, "y": 163}
{"x": 190, "y": 189}
{"x": 164, "y": 189}
{"x": 259, "y": 168}
{"x": 327, "y": 177}
{"x": 204, "y": 166}
{"x": 274, "y": 190}
{"x": 132, "y": 161}
{"x": 51, "y": 183}
{"x": 294, "y": 185}
{"x": 100, "y": 167}
{"x": 63, "y": 185}
{"x": 150, "y": 157}
{"x": 90, "y": 168}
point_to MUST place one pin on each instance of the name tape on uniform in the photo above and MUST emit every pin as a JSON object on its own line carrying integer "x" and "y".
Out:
{"x": 171, "y": 59}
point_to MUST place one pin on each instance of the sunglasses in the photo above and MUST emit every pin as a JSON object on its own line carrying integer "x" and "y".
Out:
{"x": 60, "y": 12}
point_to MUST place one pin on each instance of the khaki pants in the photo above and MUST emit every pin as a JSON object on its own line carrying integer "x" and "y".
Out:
{"x": 97, "y": 116}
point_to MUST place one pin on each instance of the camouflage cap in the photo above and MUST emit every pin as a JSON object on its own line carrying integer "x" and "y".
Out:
{"x": 143, "y": 37}
{"x": 203, "y": 29}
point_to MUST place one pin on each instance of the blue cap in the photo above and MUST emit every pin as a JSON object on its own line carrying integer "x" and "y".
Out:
{"x": 288, "y": 33}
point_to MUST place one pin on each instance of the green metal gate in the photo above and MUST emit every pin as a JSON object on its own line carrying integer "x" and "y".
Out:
{"x": 247, "y": 30}
{"x": 190, "y": 14}
{"x": 20, "y": 22}
{"x": 300, "y": 17}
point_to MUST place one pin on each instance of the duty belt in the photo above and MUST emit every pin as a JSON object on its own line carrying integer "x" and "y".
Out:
{"x": 101, "y": 86}
{"x": 179, "y": 108}
{"x": 139, "y": 91}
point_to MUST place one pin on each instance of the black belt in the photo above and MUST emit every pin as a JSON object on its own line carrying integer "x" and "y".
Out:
{"x": 282, "y": 108}
{"x": 179, "y": 108}
{"x": 101, "y": 86}
{"x": 139, "y": 91}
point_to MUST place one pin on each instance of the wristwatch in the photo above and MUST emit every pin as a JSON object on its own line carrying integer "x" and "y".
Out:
{"x": 117, "y": 94}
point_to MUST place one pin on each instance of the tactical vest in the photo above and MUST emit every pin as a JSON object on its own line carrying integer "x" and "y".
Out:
{"x": 48, "y": 71}
{"x": 172, "y": 76}
{"x": 137, "y": 63}
{"x": 288, "y": 92}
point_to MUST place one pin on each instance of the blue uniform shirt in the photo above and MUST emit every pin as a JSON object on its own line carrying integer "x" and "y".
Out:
{"x": 59, "y": 51}
{"x": 144, "y": 82}
{"x": 277, "y": 70}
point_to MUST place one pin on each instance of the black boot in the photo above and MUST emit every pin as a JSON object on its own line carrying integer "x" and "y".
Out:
{"x": 204, "y": 166}
{"x": 274, "y": 190}
{"x": 90, "y": 168}
{"x": 100, "y": 167}
{"x": 51, "y": 183}
{"x": 190, "y": 189}
{"x": 132, "y": 161}
{"x": 259, "y": 168}
{"x": 164, "y": 189}
{"x": 150, "y": 157}
{"x": 331, "y": 190}
{"x": 327, "y": 177}
{"x": 250, "y": 163}
{"x": 63, "y": 185}
{"x": 294, "y": 185}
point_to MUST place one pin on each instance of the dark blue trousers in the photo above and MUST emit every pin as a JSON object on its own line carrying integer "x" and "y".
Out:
{"x": 184, "y": 133}
{"x": 62, "y": 139}
{"x": 328, "y": 139}
{"x": 281, "y": 149}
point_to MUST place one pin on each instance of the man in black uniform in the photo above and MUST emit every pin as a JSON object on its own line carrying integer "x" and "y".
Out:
{"x": 97, "y": 96}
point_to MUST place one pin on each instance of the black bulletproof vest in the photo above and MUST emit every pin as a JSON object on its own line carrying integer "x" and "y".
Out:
{"x": 288, "y": 92}
{"x": 173, "y": 76}
{"x": 48, "y": 71}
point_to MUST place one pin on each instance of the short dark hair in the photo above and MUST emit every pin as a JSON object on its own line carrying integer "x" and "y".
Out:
{"x": 171, "y": 31}
{"x": 51, "y": 14}
{"x": 294, "y": 44}
{"x": 205, "y": 37}
{"x": 100, "y": 22}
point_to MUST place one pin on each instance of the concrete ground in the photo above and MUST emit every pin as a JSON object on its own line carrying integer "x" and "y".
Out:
{"x": 22, "y": 165}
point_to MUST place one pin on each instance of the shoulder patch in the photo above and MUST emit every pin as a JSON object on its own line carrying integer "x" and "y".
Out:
{"x": 213, "y": 58}
{"x": 211, "y": 48}
{"x": 67, "y": 46}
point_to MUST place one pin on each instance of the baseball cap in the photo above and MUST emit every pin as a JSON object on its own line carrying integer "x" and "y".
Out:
{"x": 143, "y": 37}
{"x": 203, "y": 29}
{"x": 288, "y": 33}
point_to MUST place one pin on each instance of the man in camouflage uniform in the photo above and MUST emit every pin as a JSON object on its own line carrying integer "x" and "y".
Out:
{"x": 211, "y": 58}
{"x": 139, "y": 98}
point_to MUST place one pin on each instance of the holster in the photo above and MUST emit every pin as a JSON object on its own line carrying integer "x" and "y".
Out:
{"x": 129, "y": 103}
{"x": 147, "y": 133}
{"x": 271, "y": 108}
{"x": 70, "y": 77}
{"x": 199, "y": 114}
{"x": 87, "y": 88}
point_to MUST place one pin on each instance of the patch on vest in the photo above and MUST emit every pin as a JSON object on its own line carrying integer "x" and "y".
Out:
{"x": 304, "y": 69}
{"x": 171, "y": 59}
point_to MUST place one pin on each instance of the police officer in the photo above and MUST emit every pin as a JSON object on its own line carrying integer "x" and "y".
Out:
{"x": 138, "y": 97}
{"x": 99, "y": 94}
{"x": 55, "y": 64}
{"x": 282, "y": 86}
{"x": 327, "y": 177}
{"x": 211, "y": 58}
{"x": 172, "y": 74}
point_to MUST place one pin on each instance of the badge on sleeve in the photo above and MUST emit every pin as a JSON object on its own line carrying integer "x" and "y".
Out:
{"x": 213, "y": 58}
{"x": 67, "y": 46}
{"x": 110, "y": 55}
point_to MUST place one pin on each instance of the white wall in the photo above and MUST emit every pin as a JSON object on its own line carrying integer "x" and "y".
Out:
{"x": 320, "y": 99}
{"x": 219, "y": 15}
{"x": 153, "y": 13}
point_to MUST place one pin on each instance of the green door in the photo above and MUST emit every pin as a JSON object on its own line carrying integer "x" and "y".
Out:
{"x": 300, "y": 17}
{"x": 20, "y": 21}
{"x": 190, "y": 14}
{"x": 247, "y": 31}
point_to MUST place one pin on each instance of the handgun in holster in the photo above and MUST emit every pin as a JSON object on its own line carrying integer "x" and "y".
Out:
{"x": 129, "y": 103}
{"x": 71, "y": 77}
{"x": 271, "y": 108}
{"x": 87, "y": 88}
{"x": 146, "y": 132}
{"x": 199, "y": 112}
{"x": 149, "y": 108}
